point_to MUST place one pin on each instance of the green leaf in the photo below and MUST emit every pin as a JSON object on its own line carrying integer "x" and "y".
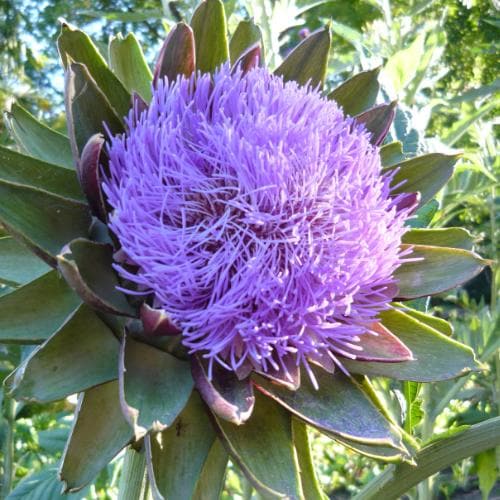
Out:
{"x": 452, "y": 237}
{"x": 311, "y": 487}
{"x": 247, "y": 33}
{"x": 414, "y": 411}
{"x": 76, "y": 46}
{"x": 24, "y": 170}
{"x": 392, "y": 154}
{"x": 437, "y": 357}
{"x": 53, "y": 440}
{"x": 461, "y": 127}
{"x": 339, "y": 406}
{"x": 42, "y": 221}
{"x": 177, "y": 55}
{"x": 438, "y": 324}
{"x": 395, "y": 480}
{"x": 424, "y": 215}
{"x": 426, "y": 174}
{"x": 87, "y": 109}
{"x": 35, "y": 311}
{"x": 211, "y": 480}
{"x": 402, "y": 66}
{"x": 359, "y": 93}
{"x": 88, "y": 267}
{"x": 439, "y": 269}
{"x": 178, "y": 457}
{"x": 210, "y": 33}
{"x": 154, "y": 386}
{"x": 99, "y": 432}
{"x": 487, "y": 471}
{"x": 127, "y": 61}
{"x": 81, "y": 354}
{"x": 41, "y": 485}
{"x": 378, "y": 121}
{"x": 38, "y": 140}
{"x": 227, "y": 396}
{"x": 263, "y": 449}
{"x": 18, "y": 265}
{"x": 309, "y": 60}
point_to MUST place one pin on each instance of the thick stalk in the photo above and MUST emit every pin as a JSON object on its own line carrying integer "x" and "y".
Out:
{"x": 397, "y": 479}
{"x": 133, "y": 479}
{"x": 425, "y": 487}
{"x": 9, "y": 413}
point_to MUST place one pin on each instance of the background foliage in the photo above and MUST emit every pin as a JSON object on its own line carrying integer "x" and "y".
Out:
{"x": 440, "y": 61}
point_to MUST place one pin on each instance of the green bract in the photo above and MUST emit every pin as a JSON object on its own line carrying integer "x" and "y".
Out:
{"x": 136, "y": 382}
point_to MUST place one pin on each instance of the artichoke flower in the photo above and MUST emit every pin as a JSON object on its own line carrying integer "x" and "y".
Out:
{"x": 217, "y": 256}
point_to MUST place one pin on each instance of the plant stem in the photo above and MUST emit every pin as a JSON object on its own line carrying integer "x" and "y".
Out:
{"x": 425, "y": 487}
{"x": 397, "y": 479}
{"x": 9, "y": 413}
{"x": 133, "y": 479}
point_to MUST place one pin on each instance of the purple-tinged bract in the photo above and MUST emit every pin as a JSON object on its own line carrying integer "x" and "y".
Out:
{"x": 256, "y": 214}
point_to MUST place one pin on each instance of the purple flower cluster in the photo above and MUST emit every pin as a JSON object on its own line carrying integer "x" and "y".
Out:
{"x": 256, "y": 214}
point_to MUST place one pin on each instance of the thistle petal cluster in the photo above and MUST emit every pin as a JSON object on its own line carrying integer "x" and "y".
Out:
{"x": 257, "y": 215}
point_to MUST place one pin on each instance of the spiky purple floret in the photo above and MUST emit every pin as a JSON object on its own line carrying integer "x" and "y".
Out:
{"x": 256, "y": 214}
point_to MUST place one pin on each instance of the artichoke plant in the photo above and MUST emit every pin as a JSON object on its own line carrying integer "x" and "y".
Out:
{"x": 218, "y": 256}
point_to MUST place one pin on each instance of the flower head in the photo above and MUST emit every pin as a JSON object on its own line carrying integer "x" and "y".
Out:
{"x": 257, "y": 215}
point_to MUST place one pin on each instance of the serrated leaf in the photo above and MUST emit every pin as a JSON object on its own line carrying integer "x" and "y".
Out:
{"x": 309, "y": 60}
{"x": 359, "y": 93}
{"x": 439, "y": 269}
{"x": 339, "y": 407}
{"x": 246, "y": 35}
{"x": 42, "y": 221}
{"x": 486, "y": 471}
{"x": 414, "y": 411}
{"x": 377, "y": 121}
{"x": 210, "y": 34}
{"x": 38, "y": 140}
{"x": 154, "y": 386}
{"x": 392, "y": 154}
{"x": 99, "y": 432}
{"x": 452, "y": 237}
{"x": 177, "y": 55}
{"x": 311, "y": 487}
{"x": 24, "y": 170}
{"x": 228, "y": 397}
{"x": 178, "y": 456}
{"x": 88, "y": 267}
{"x": 76, "y": 46}
{"x": 41, "y": 485}
{"x": 426, "y": 174}
{"x": 35, "y": 311}
{"x": 18, "y": 265}
{"x": 263, "y": 449}
{"x": 82, "y": 353}
{"x": 437, "y": 357}
{"x": 87, "y": 109}
{"x": 127, "y": 61}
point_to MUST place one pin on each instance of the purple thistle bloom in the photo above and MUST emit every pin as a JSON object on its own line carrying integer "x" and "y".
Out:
{"x": 255, "y": 214}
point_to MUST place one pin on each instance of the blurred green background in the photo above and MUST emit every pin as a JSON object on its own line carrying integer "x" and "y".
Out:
{"x": 440, "y": 60}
